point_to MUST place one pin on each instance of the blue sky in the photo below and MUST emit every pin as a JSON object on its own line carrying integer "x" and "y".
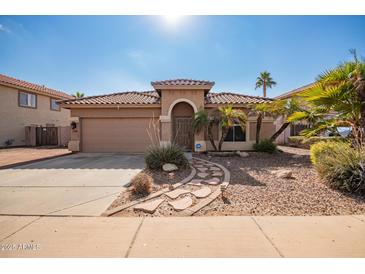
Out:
{"x": 102, "y": 54}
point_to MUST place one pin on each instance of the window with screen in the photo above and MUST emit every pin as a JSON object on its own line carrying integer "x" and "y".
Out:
{"x": 236, "y": 134}
{"x": 54, "y": 105}
{"x": 27, "y": 99}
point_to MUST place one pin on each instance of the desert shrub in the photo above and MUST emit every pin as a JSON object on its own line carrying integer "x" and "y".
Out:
{"x": 323, "y": 148}
{"x": 157, "y": 156}
{"x": 265, "y": 146}
{"x": 142, "y": 184}
{"x": 341, "y": 166}
{"x": 306, "y": 142}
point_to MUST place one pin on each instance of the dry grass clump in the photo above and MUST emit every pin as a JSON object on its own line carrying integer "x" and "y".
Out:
{"x": 142, "y": 184}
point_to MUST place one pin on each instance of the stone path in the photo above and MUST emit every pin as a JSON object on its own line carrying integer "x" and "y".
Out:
{"x": 149, "y": 207}
{"x": 181, "y": 204}
{"x": 198, "y": 191}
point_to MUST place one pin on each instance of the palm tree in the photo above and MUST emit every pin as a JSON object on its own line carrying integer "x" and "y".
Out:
{"x": 265, "y": 81}
{"x": 340, "y": 93}
{"x": 202, "y": 121}
{"x": 225, "y": 117}
{"x": 229, "y": 117}
{"x": 79, "y": 94}
{"x": 284, "y": 108}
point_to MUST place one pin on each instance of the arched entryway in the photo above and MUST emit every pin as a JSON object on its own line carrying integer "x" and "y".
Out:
{"x": 182, "y": 131}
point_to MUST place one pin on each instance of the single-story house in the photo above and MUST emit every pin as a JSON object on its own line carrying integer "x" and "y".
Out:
{"x": 25, "y": 107}
{"x": 131, "y": 121}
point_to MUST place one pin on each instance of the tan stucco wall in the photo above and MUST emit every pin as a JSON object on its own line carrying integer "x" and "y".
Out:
{"x": 13, "y": 118}
{"x": 168, "y": 97}
{"x": 267, "y": 130}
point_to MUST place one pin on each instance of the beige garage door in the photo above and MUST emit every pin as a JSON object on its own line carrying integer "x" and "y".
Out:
{"x": 115, "y": 134}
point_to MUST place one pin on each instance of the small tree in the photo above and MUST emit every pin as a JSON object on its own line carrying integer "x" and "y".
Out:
{"x": 284, "y": 108}
{"x": 229, "y": 117}
{"x": 204, "y": 122}
{"x": 225, "y": 117}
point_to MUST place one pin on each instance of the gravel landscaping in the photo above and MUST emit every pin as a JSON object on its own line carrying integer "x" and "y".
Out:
{"x": 161, "y": 180}
{"x": 255, "y": 190}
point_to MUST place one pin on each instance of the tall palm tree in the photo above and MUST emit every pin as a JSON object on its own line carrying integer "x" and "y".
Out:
{"x": 79, "y": 94}
{"x": 265, "y": 81}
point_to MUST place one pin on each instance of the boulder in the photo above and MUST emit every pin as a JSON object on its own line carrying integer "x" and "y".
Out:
{"x": 169, "y": 167}
{"x": 283, "y": 173}
{"x": 242, "y": 154}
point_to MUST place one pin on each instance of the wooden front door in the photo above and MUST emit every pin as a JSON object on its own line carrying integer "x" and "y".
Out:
{"x": 47, "y": 136}
{"x": 183, "y": 134}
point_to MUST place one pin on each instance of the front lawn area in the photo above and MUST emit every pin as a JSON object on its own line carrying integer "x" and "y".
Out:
{"x": 254, "y": 190}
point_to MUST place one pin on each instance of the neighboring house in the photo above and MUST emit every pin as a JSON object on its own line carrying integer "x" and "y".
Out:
{"x": 23, "y": 104}
{"x": 132, "y": 121}
{"x": 295, "y": 128}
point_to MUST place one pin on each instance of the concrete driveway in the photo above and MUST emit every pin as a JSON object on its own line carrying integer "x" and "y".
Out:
{"x": 82, "y": 184}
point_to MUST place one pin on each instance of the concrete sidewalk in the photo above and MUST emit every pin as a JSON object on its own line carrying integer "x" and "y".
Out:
{"x": 242, "y": 236}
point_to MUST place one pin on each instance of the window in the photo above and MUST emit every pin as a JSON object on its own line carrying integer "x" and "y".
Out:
{"x": 28, "y": 100}
{"x": 236, "y": 134}
{"x": 54, "y": 105}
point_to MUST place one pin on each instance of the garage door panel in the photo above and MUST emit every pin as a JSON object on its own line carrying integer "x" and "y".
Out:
{"x": 115, "y": 134}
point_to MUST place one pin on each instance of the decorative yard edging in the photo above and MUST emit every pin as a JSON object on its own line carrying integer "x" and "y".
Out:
{"x": 152, "y": 196}
{"x": 206, "y": 201}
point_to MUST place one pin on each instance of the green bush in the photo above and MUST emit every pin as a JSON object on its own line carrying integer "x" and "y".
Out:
{"x": 157, "y": 156}
{"x": 341, "y": 166}
{"x": 306, "y": 142}
{"x": 326, "y": 148}
{"x": 265, "y": 146}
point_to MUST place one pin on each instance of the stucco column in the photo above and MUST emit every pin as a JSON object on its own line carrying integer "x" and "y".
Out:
{"x": 166, "y": 130}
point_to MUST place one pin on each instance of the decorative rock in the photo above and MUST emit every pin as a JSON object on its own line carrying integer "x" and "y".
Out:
{"x": 296, "y": 156}
{"x": 176, "y": 193}
{"x": 284, "y": 173}
{"x": 202, "y": 193}
{"x": 202, "y": 169}
{"x": 242, "y": 154}
{"x": 213, "y": 181}
{"x": 202, "y": 174}
{"x": 198, "y": 165}
{"x": 217, "y": 173}
{"x": 195, "y": 182}
{"x": 182, "y": 203}
{"x": 149, "y": 207}
{"x": 213, "y": 168}
{"x": 169, "y": 167}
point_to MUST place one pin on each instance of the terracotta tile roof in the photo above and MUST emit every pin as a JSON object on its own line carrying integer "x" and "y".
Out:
{"x": 234, "y": 98}
{"x": 120, "y": 98}
{"x": 10, "y": 81}
{"x": 182, "y": 82}
{"x": 294, "y": 92}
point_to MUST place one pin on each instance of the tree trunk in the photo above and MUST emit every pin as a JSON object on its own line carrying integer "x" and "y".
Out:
{"x": 264, "y": 88}
{"x": 362, "y": 117}
{"x": 281, "y": 129}
{"x": 211, "y": 138}
{"x": 223, "y": 136}
{"x": 258, "y": 127}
